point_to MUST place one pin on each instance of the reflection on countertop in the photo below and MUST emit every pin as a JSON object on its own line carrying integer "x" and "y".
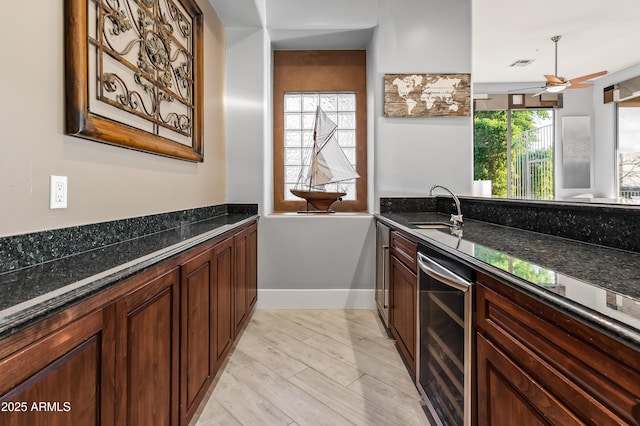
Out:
{"x": 601, "y": 279}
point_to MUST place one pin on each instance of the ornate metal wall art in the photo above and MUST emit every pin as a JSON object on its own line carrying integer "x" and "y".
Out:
{"x": 134, "y": 74}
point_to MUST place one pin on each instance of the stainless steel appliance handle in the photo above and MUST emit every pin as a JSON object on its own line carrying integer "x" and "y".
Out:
{"x": 440, "y": 273}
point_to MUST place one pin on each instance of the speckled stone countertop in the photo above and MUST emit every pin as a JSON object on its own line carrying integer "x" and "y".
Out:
{"x": 37, "y": 291}
{"x": 596, "y": 284}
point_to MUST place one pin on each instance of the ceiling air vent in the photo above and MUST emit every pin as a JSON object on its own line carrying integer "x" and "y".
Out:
{"x": 522, "y": 62}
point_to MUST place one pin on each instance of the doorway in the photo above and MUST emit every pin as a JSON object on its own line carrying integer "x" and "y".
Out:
{"x": 514, "y": 149}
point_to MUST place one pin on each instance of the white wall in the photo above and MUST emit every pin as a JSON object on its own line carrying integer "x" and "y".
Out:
{"x": 412, "y": 154}
{"x": 104, "y": 182}
{"x": 332, "y": 258}
{"x": 245, "y": 119}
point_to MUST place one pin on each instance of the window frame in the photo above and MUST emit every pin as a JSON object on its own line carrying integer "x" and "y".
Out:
{"x": 631, "y": 103}
{"x": 323, "y": 71}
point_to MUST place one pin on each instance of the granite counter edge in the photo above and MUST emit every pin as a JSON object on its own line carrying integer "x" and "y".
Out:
{"x": 20, "y": 316}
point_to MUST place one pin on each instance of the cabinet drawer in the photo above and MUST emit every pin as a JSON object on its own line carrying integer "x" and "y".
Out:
{"x": 597, "y": 377}
{"x": 404, "y": 249}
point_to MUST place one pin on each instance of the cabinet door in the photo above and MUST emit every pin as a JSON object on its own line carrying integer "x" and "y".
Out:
{"x": 508, "y": 396}
{"x": 223, "y": 329}
{"x": 404, "y": 310}
{"x": 197, "y": 362}
{"x": 245, "y": 289}
{"x": 252, "y": 266}
{"x": 147, "y": 353}
{"x": 560, "y": 365}
{"x": 61, "y": 379}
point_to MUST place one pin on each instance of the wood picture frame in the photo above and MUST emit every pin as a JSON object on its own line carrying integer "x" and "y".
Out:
{"x": 100, "y": 106}
{"x": 427, "y": 95}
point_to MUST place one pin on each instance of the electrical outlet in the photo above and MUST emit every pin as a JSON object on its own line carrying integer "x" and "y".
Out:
{"x": 58, "y": 192}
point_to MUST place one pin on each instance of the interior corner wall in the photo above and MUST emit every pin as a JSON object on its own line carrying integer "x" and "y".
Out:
{"x": 605, "y": 132}
{"x": 319, "y": 262}
{"x": 104, "y": 182}
{"x": 330, "y": 261}
{"x": 412, "y": 154}
{"x": 245, "y": 118}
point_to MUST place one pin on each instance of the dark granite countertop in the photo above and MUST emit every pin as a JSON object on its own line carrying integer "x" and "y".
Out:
{"x": 34, "y": 292}
{"x": 596, "y": 284}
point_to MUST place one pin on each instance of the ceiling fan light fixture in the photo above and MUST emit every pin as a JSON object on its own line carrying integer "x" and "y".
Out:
{"x": 556, "y": 89}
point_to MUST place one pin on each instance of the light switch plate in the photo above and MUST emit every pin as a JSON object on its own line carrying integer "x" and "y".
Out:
{"x": 58, "y": 192}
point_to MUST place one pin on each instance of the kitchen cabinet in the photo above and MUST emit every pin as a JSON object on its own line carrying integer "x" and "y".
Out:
{"x": 538, "y": 365}
{"x": 217, "y": 294}
{"x": 144, "y": 351}
{"x": 197, "y": 365}
{"x": 403, "y": 297}
{"x": 246, "y": 282}
{"x": 223, "y": 275}
{"x": 62, "y": 379}
{"x": 147, "y": 323}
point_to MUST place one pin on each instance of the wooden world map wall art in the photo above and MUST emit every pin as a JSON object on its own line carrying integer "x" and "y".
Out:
{"x": 134, "y": 74}
{"x": 427, "y": 95}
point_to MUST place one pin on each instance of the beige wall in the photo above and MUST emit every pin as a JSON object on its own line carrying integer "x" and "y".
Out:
{"x": 105, "y": 182}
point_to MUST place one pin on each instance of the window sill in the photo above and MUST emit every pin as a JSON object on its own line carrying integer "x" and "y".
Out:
{"x": 336, "y": 214}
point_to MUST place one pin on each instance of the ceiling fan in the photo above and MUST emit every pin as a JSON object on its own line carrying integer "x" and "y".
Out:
{"x": 555, "y": 84}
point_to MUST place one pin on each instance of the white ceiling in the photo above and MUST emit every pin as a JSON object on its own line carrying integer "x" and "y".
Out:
{"x": 596, "y": 35}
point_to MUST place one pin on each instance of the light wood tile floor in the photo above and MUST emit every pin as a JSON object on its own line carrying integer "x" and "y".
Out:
{"x": 314, "y": 367}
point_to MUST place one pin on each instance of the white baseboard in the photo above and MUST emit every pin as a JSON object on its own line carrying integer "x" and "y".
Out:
{"x": 316, "y": 299}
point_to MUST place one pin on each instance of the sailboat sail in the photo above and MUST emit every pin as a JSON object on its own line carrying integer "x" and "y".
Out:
{"x": 328, "y": 162}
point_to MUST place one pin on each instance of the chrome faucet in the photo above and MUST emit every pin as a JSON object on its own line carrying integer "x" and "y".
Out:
{"x": 455, "y": 218}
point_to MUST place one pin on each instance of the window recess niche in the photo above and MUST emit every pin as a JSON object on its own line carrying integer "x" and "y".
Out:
{"x": 337, "y": 81}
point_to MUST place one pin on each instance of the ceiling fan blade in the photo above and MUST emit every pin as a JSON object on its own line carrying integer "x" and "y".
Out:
{"x": 588, "y": 77}
{"x": 539, "y": 93}
{"x": 522, "y": 89}
{"x": 554, "y": 79}
{"x": 579, "y": 85}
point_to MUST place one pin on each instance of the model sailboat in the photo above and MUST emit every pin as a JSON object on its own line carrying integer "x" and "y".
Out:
{"x": 327, "y": 165}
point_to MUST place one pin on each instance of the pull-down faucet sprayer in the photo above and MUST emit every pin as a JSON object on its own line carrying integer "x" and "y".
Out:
{"x": 455, "y": 218}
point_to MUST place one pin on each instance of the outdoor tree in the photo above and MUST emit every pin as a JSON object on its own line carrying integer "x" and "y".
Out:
{"x": 629, "y": 166}
{"x": 490, "y": 144}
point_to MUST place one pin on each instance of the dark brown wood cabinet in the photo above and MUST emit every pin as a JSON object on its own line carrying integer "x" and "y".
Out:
{"x": 145, "y": 351}
{"x": 147, "y": 324}
{"x": 197, "y": 366}
{"x": 217, "y": 295}
{"x": 246, "y": 282}
{"x": 403, "y": 297}
{"x": 537, "y": 365}
{"x": 62, "y": 379}
{"x": 223, "y": 275}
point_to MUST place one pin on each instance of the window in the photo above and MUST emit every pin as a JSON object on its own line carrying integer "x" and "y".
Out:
{"x": 299, "y": 115}
{"x": 629, "y": 150}
{"x": 513, "y": 149}
{"x": 335, "y": 80}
